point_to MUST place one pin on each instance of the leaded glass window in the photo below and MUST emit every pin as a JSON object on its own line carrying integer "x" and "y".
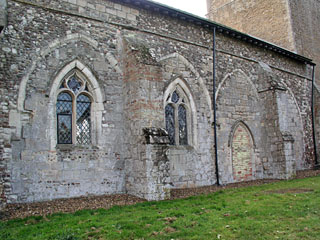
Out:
{"x": 74, "y": 111}
{"x": 83, "y": 120}
{"x": 176, "y": 116}
{"x": 183, "y": 134}
{"x": 74, "y": 84}
{"x": 175, "y": 97}
{"x": 64, "y": 118}
{"x": 170, "y": 126}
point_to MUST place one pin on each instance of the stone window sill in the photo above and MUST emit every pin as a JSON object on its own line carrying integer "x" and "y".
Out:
{"x": 71, "y": 147}
{"x": 181, "y": 147}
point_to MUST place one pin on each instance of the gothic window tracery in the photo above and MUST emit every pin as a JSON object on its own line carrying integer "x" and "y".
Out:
{"x": 177, "y": 115}
{"x": 73, "y": 109}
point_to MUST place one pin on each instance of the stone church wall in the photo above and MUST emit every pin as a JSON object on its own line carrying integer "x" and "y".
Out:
{"x": 41, "y": 44}
{"x": 292, "y": 24}
{"x": 133, "y": 59}
{"x": 3, "y": 14}
{"x": 262, "y": 84}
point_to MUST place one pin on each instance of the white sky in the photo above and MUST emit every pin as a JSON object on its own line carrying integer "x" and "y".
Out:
{"x": 198, "y": 7}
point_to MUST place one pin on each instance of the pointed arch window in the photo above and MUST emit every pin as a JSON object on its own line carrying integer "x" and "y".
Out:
{"x": 177, "y": 117}
{"x": 73, "y": 110}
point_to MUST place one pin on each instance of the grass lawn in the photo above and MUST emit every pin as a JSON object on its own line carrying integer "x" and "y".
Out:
{"x": 282, "y": 210}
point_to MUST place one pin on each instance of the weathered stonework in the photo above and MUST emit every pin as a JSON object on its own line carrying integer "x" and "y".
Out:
{"x": 292, "y": 24}
{"x": 3, "y": 14}
{"x": 242, "y": 153}
{"x": 133, "y": 57}
{"x": 250, "y": 15}
{"x": 305, "y": 21}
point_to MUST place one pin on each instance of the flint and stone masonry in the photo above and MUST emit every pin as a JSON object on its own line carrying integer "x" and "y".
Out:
{"x": 134, "y": 59}
{"x": 292, "y": 24}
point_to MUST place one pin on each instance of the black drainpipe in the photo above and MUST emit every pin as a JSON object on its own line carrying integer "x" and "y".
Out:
{"x": 214, "y": 105}
{"x": 313, "y": 125}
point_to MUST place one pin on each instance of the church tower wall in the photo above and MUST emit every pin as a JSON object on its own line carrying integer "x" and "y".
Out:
{"x": 265, "y": 19}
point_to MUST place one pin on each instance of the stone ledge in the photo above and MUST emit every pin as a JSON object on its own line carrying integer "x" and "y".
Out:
{"x": 156, "y": 136}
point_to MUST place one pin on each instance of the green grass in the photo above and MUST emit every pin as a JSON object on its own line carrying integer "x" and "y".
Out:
{"x": 261, "y": 212}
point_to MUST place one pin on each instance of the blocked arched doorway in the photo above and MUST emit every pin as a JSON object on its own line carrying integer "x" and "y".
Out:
{"x": 242, "y": 153}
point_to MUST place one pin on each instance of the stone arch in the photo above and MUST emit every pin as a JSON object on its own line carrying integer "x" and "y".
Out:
{"x": 198, "y": 77}
{"x": 192, "y": 125}
{"x": 242, "y": 151}
{"x": 97, "y": 103}
{"x": 295, "y": 101}
{"x": 287, "y": 105}
{"x": 197, "y": 160}
{"x": 51, "y": 47}
{"x": 235, "y": 125}
{"x": 238, "y": 102}
{"x": 316, "y": 87}
{"x": 228, "y": 76}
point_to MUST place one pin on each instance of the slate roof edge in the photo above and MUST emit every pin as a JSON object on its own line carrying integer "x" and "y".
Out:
{"x": 188, "y": 17}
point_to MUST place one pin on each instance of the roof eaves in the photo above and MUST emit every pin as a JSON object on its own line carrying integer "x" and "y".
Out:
{"x": 188, "y": 17}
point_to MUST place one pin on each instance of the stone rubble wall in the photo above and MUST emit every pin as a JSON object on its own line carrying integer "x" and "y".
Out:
{"x": 292, "y": 76}
{"x": 305, "y": 17}
{"x": 41, "y": 43}
{"x": 292, "y": 24}
{"x": 3, "y": 13}
{"x": 134, "y": 56}
{"x": 143, "y": 108}
{"x": 146, "y": 80}
{"x": 238, "y": 101}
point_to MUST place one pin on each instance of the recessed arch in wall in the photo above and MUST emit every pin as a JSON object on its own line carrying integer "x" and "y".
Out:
{"x": 47, "y": 49}
{"x": 242, "y": 152}
{"x": 180, "y": 58}
{"x": 298, "y": 132}
{"x": 23, "y": 115}
{"x": 236, "y": 72}
{"x": 238, "y": 104}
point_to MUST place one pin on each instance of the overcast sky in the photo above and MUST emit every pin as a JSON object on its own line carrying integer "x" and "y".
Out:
{"x": 198, "y": 7}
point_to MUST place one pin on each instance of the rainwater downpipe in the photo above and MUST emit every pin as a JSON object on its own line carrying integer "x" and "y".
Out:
{"x": 214, "y": 105}
{"x": 313, "y": 119}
